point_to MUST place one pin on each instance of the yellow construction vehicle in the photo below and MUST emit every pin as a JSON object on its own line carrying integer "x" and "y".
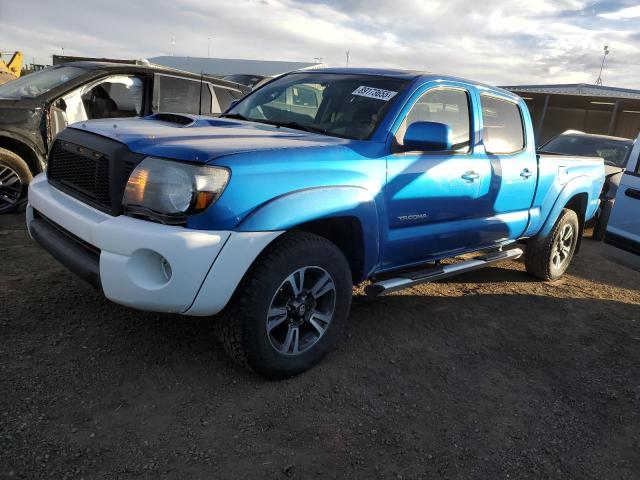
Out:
{"x": 11, "y": 70}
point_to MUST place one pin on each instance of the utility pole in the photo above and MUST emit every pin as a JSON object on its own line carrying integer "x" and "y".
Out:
{"x": 604, "y": 57}
{"x": 348, "y": 55}
{"x": 317, "y": 59}
{"x": 62, "y": 48}
{"x": 173, "y": 46}
{"x": 208, "y": 47}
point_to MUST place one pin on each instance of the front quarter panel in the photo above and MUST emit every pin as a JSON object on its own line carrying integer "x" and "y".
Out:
{"x": 297, "y": 208}
{"x": 280, "y": 189}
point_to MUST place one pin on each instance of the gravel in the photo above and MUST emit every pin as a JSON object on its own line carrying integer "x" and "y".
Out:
{"x": 488, "y": 375}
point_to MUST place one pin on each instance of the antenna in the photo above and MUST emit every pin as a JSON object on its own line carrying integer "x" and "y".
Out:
{"x": 200, "y": 100}
{"x": 604, "y": 57}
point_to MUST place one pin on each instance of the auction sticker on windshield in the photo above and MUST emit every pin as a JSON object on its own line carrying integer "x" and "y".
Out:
{"x": 377, "y": 93}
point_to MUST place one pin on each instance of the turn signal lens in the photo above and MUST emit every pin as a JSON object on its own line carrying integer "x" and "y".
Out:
{"x": 136, "y": 185}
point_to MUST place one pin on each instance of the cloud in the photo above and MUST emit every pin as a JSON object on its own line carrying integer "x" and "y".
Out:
{"x": 625, "y": 13}
{"x": 496, "y": 41}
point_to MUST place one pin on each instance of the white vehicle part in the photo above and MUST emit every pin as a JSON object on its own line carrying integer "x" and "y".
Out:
{"x": 236, "y": 257}
{"x": 150, "y": 266}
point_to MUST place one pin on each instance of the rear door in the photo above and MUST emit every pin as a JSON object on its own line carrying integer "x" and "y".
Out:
{"x": 507, "y": 142}
{"x": 622, "y": 239}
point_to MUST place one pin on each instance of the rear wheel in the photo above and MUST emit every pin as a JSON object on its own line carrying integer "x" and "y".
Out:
{"x": 14, "y": 179}
{"x": 548, "y": 257}
{"x": 290, "y": 308}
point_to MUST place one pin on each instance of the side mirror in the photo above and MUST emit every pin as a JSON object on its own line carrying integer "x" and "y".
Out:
{"x": 232, "y": 104}
{"x": 428, "y": 137}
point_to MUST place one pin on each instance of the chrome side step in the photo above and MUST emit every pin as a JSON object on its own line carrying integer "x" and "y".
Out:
{"x": 439, "y": 272}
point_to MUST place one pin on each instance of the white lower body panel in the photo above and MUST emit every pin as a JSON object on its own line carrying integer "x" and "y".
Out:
{"x": 150, "y": 266}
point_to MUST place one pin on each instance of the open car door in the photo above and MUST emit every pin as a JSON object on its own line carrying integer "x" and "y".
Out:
{"x": 622, "y": 239}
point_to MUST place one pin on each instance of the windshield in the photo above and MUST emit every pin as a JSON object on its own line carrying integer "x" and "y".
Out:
{"x": 38, "y": 83}
{"x": 341, "y": 105}
{"x": 614, "y": 152}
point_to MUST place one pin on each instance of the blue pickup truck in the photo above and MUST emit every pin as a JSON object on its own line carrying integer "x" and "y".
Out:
{"x": 312, "y": 183}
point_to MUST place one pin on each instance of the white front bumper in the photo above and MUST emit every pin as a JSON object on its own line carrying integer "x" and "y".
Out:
{"x": 204, "y": 267}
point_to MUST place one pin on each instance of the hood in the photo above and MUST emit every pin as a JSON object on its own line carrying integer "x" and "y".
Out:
{"x": 19, "y": 103}
{"x": 201, "y": 139}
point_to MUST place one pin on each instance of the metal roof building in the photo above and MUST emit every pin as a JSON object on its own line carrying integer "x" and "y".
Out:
{"x": 229, "y": 66}
{"x": 589, "y": 108}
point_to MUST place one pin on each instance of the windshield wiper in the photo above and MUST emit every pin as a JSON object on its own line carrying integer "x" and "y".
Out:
{"x": 236, "y": 116}
{"x": 294, "y": 125}
{"x": 297, "y": 126}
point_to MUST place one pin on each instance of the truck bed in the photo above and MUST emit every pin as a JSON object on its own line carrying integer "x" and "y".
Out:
{"x": 559, "y": 176}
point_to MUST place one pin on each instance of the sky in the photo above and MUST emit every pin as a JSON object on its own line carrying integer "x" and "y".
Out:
{"x": 495, "y": 41}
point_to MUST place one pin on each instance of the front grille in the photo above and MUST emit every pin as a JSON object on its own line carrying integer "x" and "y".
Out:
{"x": 83, "y": 171}
{"x": 92, "y": 168}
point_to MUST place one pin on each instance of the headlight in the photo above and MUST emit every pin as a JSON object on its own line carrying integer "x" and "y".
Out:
{"x": 170, "y": 188}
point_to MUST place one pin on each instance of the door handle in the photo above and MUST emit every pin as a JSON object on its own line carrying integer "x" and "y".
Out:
{"x": 471, "y": 176}
{"x": 633, "y": 193}
{"x": 526, "y": 173}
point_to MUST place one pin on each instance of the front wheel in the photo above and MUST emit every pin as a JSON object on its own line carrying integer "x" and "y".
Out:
{"x": 290, "y": 308}
{"x": 14, "y": 179}
{"x": 548, "y": 257}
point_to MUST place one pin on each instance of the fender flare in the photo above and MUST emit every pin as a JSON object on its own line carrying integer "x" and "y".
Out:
{"x": 302, "y": 206}
{"x": 576, "y": 186}
{"x": 39, "y": 157}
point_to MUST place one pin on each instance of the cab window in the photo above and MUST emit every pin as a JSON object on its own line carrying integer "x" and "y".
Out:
{"x": 503, "y": 130}
{"x": 443, "y": 105}
{"x": 181, "y": 95}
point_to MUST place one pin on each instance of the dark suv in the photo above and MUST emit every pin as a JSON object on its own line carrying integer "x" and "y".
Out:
{"x": 36, "y": 107}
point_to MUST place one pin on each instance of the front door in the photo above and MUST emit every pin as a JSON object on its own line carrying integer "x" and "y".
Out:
{"x": 437, "y": 201}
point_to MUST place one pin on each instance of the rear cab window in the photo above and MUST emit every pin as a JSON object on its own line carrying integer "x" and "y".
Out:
{"x": 502, "y": 126}
{"x": 178, "y": 95}
{"x": 185, "y": 95}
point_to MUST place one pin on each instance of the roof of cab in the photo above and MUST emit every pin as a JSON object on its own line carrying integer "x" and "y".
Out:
{"x": 410, "y": 75}
{"x": 383, "y": 72}
{"x": 92, "y": 65}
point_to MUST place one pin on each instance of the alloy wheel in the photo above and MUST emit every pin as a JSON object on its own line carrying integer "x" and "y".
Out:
{"x": 562, "y": 247}
{"x": 301, "y": 310}
{"x": 10, "y": 188}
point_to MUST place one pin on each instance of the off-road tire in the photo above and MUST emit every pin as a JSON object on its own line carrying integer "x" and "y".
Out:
{"x": 242, "y": 325}
{"x": 540, "y": 249}
{"x": 600, "y": 227}
{"x": 20, "y": 167}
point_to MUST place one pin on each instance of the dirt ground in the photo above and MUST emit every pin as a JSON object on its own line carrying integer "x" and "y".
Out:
{"x": 491, "y": 375}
